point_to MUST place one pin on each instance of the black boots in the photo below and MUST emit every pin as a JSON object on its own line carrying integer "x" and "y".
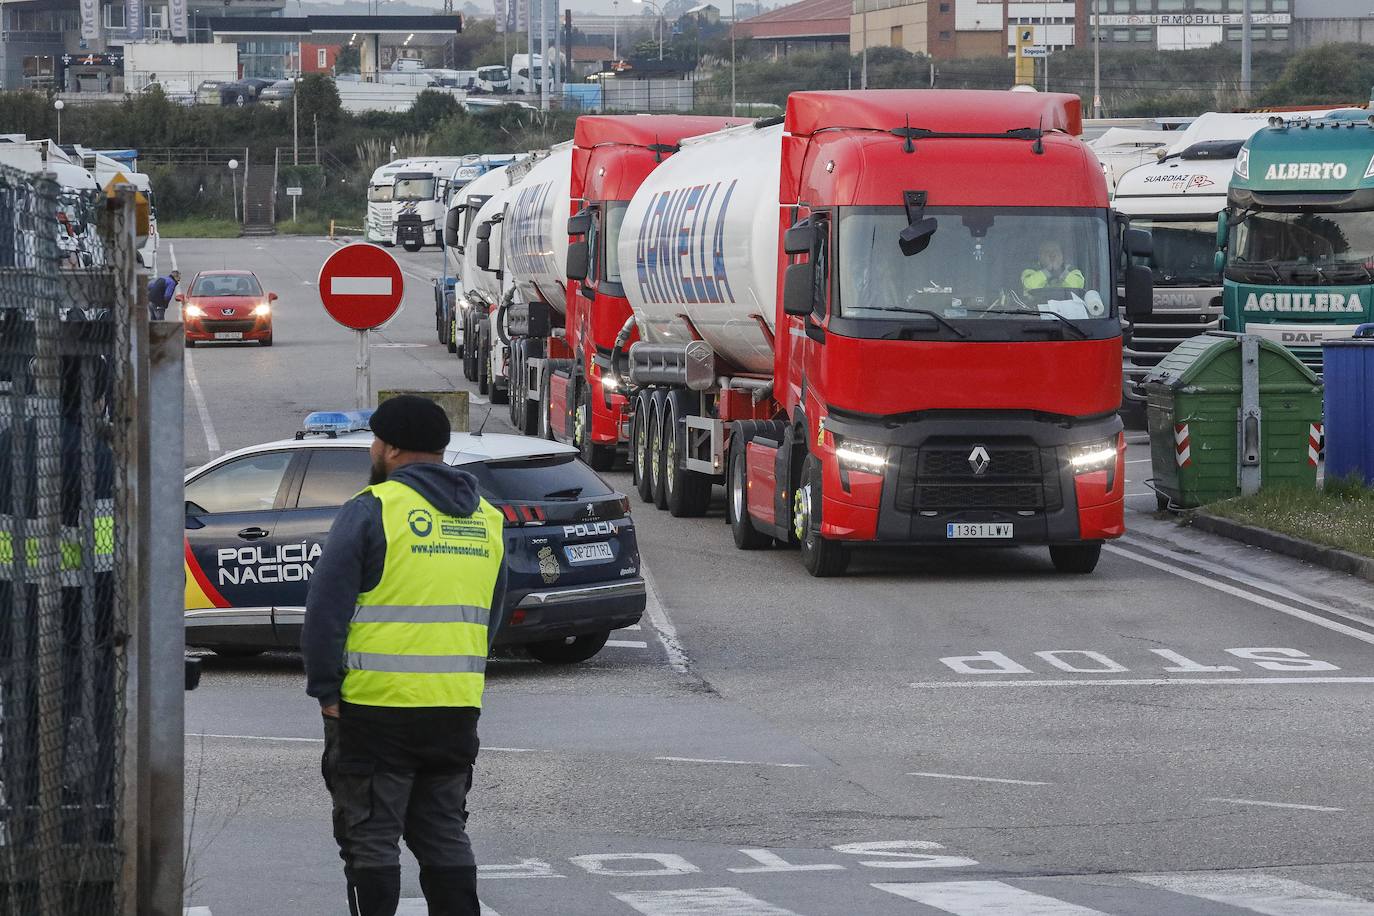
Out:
{"x": 451, "y": 891}
{"x": 373, "y": 891}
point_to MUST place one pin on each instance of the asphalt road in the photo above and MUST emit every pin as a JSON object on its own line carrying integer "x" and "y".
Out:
{"x": 1185, "y": 731}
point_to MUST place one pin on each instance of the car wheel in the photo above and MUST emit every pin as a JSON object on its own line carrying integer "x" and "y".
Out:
{"x": 747, "y": 537}
{"x": 600, "y": 457}
{"x": 1076, "y": 559}
{"x": 190, "y": 344}
{"x": 266, "y": 341}
{"x": 643, "y": 466}
{"x": 821, "y": 556}
{"x": 568, "y": 651}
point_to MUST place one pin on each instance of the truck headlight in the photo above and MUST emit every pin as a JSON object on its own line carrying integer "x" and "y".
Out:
{"x": 1094, "y": 456}
{"x": 856, "y": 455}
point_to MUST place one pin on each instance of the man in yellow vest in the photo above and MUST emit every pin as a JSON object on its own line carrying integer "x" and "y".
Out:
{"x": 1051, "y": 270}
{"x": 402, "y": 607}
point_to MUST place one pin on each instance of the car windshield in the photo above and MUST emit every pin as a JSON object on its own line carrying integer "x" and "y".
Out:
{"x": 414, "y": 189}
{"x": 379, "y": 193}
{"x": 227, "y": 285}
{"x": 980, "y": 263}
{"x": 1184, "y": 250}
{"x": 548, "y": 477}
{"x": 1291, "y": 239}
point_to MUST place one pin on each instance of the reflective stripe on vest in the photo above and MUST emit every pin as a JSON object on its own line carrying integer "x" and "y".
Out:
{"x": 419, "y": 638}
{"x": 69, "y": 549}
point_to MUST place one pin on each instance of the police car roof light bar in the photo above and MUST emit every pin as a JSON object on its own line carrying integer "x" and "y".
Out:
{"x": 332, "y": 422}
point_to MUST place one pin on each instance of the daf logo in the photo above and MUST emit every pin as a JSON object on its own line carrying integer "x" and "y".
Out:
{"x": 979, "y": 460}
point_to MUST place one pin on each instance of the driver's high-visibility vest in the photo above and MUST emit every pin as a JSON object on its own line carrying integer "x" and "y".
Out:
{"x": 1039, "y": 278}
{"x": 72, "y": 547}
{"x": 419, "y": 638}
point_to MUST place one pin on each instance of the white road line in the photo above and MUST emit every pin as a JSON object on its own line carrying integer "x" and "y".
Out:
{"x": 1148, "y": 682}
{"x": 701, "y": 901}
{"x": 197, "y": 396}
{"x": 627, "y": 644}
{"x": 254, "y": 738}
{"x": 663, "y": 627}
{"x": 1261, "y": 600}
{"x": 985, "y": 898}
{"x": 751, "y": 763}
{"x": 1261, "y": 893}
{"x": 172, "y": 253}
{"x": 1269, "y": 804}
{"x": 1014, "y": 782}
{"x": 512, "y": 750}
{"x": 196, "y": 910}
{"x": 416, "y": 906}
{"x": 633, "y": 626}
{"x": 1139, "y": 460}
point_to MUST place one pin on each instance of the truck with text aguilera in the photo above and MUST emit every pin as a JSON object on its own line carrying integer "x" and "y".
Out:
{"x": 892, "y": 319}
{"x": 1297, "y": 235}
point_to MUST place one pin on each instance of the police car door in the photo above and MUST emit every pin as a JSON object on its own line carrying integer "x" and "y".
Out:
{"x": 233, "y": 558}
{"x": 332, "y": 476}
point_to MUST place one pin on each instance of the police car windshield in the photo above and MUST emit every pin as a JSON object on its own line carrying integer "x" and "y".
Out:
{"x": 550, "y": 477}
{"x": 227, "y": 285}
{"x": 1184, "y": 251}
{"x": 1305, "y": 238}
{"x": 981, "y": 263}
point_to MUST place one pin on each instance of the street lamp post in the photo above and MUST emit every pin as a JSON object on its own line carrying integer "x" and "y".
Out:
{"x": 734, "y": 21}
{"x": 615, "y": 31}
{"x": 1097, "y": 64}
{"x": 234, "y": 178}
{"x": 58, "y": 105}
{"x": 863, "y": 48}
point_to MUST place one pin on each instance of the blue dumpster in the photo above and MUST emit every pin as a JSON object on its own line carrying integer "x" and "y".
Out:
{"x": 1349, "y": 405}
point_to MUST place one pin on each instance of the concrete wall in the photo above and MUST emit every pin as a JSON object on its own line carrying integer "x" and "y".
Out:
{"x": 1306, "y": 33}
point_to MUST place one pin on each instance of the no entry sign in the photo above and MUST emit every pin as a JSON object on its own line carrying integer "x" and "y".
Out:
{"x": 361, "y": 286}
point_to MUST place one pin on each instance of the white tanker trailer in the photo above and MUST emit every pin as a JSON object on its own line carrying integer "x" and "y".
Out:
{"x": 489, "y": 288}
{"x": 460, "y": 250}
{"x": 536, "y": 240}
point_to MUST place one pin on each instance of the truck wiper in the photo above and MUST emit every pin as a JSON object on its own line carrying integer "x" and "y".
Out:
{"x": 567, "y": 493}
{"x": 895, "y": 335}
{"x": 1082, "y": 335}
{"x": 1244, "y": 265}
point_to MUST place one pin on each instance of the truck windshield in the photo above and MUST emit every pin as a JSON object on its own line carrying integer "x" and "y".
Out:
{"x": 379, "y": 192}
{"x": 1183, "y": 250}
{"x": 414, "y": 189}
{"x": 494, "y": 74}
{"x": 1297, "y": 239}
{"x": 981, "y": 263}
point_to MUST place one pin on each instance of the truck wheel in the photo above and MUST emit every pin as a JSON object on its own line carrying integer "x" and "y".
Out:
{"x": 687, "y": 493}
{"x": 643, "y": 466}
{"x": 515, "y": 369}
{"x": 484, "y": 365}
{"x": 658, "y": 453}
{"x": 821, "y": 556}
{"x": 451, "y": 335}
{"x": 413, "y": 246}
{"x": 1079, "y": 559}
{"x": 568, "y": 651}
{"x": 471, "y": 347}
{"x": 545, "y": 428}
{"x": 497, "y": 394}
{"x": 747, "y": 537}
{"x": 600, "y": 457}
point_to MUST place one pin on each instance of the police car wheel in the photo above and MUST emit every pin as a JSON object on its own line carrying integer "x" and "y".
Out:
{"x": 568, "y": 651}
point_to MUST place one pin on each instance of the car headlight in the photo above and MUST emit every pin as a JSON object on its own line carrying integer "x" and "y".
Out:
{"x": 856, "y": 455}
{"x": 1093, "y": 456}
{"x": 195, "y": 311}
{"x": 263, "y": 309}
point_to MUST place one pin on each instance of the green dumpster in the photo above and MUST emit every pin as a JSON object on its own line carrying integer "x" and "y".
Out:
{"x": 1228, "y": 414}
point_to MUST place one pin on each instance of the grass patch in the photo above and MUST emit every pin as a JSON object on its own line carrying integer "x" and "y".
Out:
{"x": 1341, "y": 515}
{"x": 199, "y": 228}
{"x": 315, "y": 226}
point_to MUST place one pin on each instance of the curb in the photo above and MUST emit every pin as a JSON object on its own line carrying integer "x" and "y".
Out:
{"x": 1316, "y": 554}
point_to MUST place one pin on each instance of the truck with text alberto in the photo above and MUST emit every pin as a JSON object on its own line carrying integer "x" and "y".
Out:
{"x": 1297, "y": 235}
{"x": 891, "y": 319}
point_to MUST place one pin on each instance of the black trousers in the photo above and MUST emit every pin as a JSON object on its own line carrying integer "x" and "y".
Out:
{"x": 396, "y": 773}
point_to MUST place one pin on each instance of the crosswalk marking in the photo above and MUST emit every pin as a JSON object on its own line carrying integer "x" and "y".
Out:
{"x": 1262, "y": 893}
{"x": 985, "y": 898}
{"x": 702, "y": 901}
{"x": 197, "y": 911}
{"x": 416, "y": 906}
{"x": 626, "y": 644}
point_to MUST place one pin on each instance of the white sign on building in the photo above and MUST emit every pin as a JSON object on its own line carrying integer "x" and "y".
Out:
{"x": 1194, "y": 19}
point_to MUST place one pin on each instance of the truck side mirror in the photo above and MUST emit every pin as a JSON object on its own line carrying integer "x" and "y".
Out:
{"x": 484, "y": 255}
{"x": 579, "y": 258}
{"x": 1219, "y": 262}
{"x": 798, "y": 288}
{"x": 484, "y": 231}
{"x": 451, "y": 223}
{"x": 1223, "y": 229}
{"x": 1138, "y": 243}
{"x": 580, "y": 223}
{"x": 799, "y": 239}
{"x": 1140, "y": 292}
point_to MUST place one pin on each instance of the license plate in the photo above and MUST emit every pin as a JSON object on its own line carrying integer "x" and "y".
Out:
{"x": 589, "y": 553}
{"x": 958, "y": 531}
{"x": 228, "y": 335}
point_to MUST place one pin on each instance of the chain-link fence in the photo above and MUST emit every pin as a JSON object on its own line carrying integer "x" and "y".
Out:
{"x": 64, "y": 281}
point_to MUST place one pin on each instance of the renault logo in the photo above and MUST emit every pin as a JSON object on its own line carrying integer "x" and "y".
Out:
{"x": 978, "y": 460}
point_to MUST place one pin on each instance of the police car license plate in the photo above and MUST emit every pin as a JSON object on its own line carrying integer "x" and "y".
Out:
{"x": 228, "y": 335}
{"x": 589, "y": 553}
{"x": 959, "y": 531}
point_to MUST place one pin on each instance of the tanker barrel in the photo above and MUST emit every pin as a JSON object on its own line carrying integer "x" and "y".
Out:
{"x": 691, "y": 365}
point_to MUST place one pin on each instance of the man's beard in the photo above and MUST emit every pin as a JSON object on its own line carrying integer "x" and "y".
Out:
{"x": 378, "y": 474}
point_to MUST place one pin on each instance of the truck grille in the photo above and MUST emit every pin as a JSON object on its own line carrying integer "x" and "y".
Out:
{"x": 1019, "y": 477}
{"x": 1148, "y": 343}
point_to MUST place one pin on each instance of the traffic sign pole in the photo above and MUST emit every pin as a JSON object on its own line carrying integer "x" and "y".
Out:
{"x": 362, "y": 384}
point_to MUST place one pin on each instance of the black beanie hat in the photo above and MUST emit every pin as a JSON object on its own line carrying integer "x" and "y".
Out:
{"x": 411, "y": 423}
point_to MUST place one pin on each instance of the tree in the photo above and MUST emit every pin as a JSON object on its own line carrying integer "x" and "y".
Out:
{"x": 317, "y": 96}
{"x": 1324, "y": 75}
{"x": 430, "y": 107}
{"x": 350, "y": 60}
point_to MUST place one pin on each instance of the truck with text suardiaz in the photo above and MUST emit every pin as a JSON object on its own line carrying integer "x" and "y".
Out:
{"x": 892, "y": 319}
{"x": 1297, "y": 235}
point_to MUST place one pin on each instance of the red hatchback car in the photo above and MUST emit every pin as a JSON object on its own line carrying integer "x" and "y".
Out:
{"x": 227, "y": 305}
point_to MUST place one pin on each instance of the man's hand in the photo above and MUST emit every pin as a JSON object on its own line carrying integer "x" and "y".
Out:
{"x": 331, "y": 711}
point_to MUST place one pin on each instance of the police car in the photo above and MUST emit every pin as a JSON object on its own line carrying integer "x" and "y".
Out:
{"x": 256, "y": 521}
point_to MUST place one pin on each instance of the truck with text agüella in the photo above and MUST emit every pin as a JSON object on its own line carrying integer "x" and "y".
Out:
{"x": 1298, "y": 233}
{"x": 557, "y": 356}
{"x": 892, "y": 319}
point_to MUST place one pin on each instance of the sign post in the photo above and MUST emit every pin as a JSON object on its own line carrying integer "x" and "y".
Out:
{"x": 361, "y": 287}
{"x": 294, "y": 194}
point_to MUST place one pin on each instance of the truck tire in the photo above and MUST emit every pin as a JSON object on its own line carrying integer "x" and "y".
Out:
{"x": 658, "y": 452}
{"x": 451, "y": 335}
{"x": 600, "y": 457}
{"x": 568, "y": 651}
{"x": 484, "y": 362}
{"x": 747, "y": 537}
{"x": 639, "y": 452}
{"x": 471, "y": 346}
{"x": 413, "y": 246}
{"x": 515, "y": 368}
{"x": 687, "y": 493}
{"x": 497, "y": 394}
{"x": 821, "y": 556}
{"x": 1076, "y": 559}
